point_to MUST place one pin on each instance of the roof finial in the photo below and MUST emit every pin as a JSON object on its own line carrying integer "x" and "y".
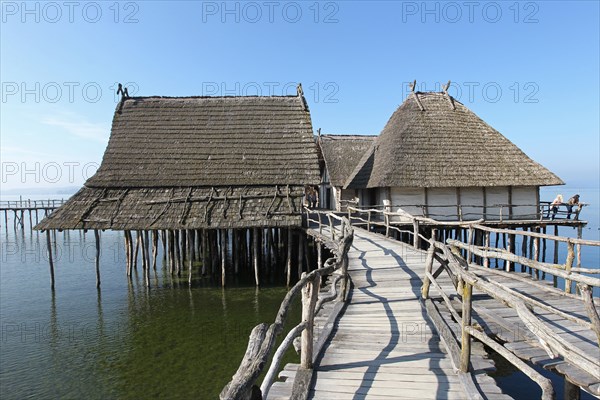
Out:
{"x": 413, "y": 85}
{"x": 446, "y": 95}
{"x": 445, "y": 87}
{"x": 122, "y": 91}
{"x": 301, "y": 96}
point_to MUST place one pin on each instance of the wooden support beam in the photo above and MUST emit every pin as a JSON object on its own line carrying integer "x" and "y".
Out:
{"x": 146, "y": 254}
{"x": 190, "y": 239}
{"x": 97, "y": 237}
{"x": 300, "y": 253}
{"x": 223, "y": 256}
{"x": 255, "y": 257}
{"x": 289, "y": 255}
{"x": 50, "y": 260}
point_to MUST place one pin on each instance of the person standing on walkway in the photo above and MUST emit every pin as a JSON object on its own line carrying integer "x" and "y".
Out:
{"x": 554, "y": 205}
{"x": 573, "y": 201}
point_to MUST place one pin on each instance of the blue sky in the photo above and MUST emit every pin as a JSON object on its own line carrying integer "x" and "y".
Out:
{"x": 529, "y": 69}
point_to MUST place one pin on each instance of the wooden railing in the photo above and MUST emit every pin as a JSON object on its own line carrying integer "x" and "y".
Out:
{"x": 30, "y": 204}
{"x": 465, "y": 278}
{"x": 338, "y": 238}
{"x": 471, "y": 212}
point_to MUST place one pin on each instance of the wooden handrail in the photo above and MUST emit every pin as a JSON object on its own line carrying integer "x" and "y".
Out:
{"x": 553, "y": 343}
{"x": 262, "y": 337}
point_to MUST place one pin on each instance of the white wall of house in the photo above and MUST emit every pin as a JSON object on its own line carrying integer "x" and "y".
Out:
{"x": 471, "y": 201}
{"x": 442, "y": 204}
{"x": 407, "y": 198}
{"x": 525, "y": 200}
{"x": 495, "y": 196}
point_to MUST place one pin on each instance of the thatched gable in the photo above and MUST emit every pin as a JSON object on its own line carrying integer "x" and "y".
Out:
{"x": 199, "y": 162}
{"x": 342, "y": 153}
{"x": 444, "y": 147}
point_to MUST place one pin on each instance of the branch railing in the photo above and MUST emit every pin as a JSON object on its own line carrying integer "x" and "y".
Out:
{"x": 263, "y": 337}
{"x": 470, "y": 212}
{"x": 465, "y": 278}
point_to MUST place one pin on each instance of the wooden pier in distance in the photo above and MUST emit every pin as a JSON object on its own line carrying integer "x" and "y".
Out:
{"x": 31, "y": 207}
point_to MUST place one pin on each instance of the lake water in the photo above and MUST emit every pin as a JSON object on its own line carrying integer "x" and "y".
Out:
{"x": 124, "y": 341}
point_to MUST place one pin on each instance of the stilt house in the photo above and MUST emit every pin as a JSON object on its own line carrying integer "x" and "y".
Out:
{"x": 340, "y": 156}
{"x": 199, "y": 163}
{"x": 436, "y": 158}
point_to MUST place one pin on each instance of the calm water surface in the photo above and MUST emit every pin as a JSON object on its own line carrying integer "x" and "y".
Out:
{"x": 124, "y": 341}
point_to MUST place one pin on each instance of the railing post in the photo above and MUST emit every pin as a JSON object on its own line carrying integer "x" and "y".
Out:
{"x": 501, "y": 207}
{"x": 465, "y": 354}
{"x": 416, "y": 238}
{"x": 469, "y": 243}
{"x": 508, "y": 247}
{"x": 486, "y": 260}
{"x": 331, "y": 227}
{"x": 569, "y": 265}
{"x": 428, "y": 265}
{"x": 369, "y": 221}
{"x": 309, "y": 299}
{"x": 387, "y": 225}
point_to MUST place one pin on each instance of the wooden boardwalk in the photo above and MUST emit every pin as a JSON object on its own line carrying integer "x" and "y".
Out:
{"x": 384, "y": 345}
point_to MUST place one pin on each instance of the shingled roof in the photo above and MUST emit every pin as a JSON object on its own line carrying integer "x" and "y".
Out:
{"x": 342, "y": 153}
{"x": 441, "y": 143}
{"x": 199, "y": 162}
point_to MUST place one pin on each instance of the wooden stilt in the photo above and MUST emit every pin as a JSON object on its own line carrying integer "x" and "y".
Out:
{"x": 223, "y": 256}
{"x": 300, "y": 254}
{"x": 137, "y": 249}
{"x": 269, "y": 244}
{"x": 572, "y": 391}
{"x": 171, "y": 240}
{"x": 163, "y": 239}
{"x": 50, "y": 260}
{"x": 147, "y": 256}
{"x": 127, "y": 257}
{"x": 97, "y": 237}
{"x": 524, "y": 249}
{"x": 190, "y": 238}
{"x": 496, "y": 246}
{"x": 178, "y": 255}
{"x": 555, "y": 278}
{"x": 235, "y": 250}
{"x": 536, "y": 254}
{"x": 255, "y": 256}
{"x": 154, "y": 248}
{"x": 204, "y": 252}
{"x": 289, "y": 255}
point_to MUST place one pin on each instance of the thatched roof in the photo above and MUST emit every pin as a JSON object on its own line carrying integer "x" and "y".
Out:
{"x": 444, "y": 147}
{"x": 179, "y": 208}
{"x": 199, "y": 162}
{"x": 208, "y": 141}
{"x": 342, "y": 153}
